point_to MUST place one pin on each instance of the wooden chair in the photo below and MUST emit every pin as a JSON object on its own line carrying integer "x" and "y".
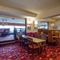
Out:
{"x": 43, "y": 44}
{"x": 25, "y": 44}
{"x": 21, "y": 41}
{"x": 18, "y": 39}
{"x": 33, "y": 46}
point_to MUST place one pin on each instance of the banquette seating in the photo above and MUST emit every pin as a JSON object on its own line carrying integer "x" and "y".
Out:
{"x": 4, "y": 32}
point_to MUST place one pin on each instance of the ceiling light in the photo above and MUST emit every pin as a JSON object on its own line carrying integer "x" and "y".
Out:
{"x": 52, "y": 24}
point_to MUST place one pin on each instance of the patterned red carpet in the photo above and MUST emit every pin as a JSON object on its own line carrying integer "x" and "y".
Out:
{"x": 16, "y": 52}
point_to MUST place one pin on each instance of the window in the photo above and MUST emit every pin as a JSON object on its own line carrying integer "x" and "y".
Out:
{"x": 8, "y": 26}
{"x": 42, "y": 25}
{"x": 11, "y": 27}
{"x": 12, "y": 23}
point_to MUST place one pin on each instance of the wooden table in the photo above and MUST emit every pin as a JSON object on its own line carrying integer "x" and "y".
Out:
{"x": 36, "y": 40}
{"x": 54, "y": 36}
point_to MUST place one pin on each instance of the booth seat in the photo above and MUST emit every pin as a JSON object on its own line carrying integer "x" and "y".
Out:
{"x": 4, "y": 32}
{"x": 32, "y": 34}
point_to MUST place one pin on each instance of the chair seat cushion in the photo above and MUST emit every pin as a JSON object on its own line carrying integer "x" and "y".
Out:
{"x": 34, "y": 46}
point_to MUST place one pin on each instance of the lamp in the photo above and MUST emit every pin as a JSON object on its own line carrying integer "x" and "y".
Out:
{"x": 52, "y": 24}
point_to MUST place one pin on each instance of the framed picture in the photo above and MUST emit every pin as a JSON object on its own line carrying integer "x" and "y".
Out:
{"x": 55, "y": 27}
{"x": 35, "y": 28}
{"x": 29, "y": 28}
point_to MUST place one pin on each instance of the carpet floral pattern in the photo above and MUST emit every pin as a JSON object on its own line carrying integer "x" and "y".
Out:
{"x": 16, "y": 52}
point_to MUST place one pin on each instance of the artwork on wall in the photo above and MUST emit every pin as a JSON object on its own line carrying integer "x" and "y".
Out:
{"x": 55, "y": 27}
{"x": 29, "y": 28}
{"x": 35, "y": 28}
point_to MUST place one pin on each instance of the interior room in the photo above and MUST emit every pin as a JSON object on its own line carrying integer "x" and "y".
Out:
{"x": 29, "y": 29}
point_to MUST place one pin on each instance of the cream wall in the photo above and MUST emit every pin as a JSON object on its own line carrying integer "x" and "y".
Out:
{"x": 51, "y": 24}
{"x": 31, "y": 23}
{"x": 57, "y": 23}
{"x": 50, "y": 21}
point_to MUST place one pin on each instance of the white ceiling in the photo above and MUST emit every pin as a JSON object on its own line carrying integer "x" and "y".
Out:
{"x": 35, "y": 6}
{"x": 11, "y": 15}
{"x": 56, "y": 17}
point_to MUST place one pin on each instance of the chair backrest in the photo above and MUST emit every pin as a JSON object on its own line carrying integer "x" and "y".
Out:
{"x": 18, "y": 37}
{"x": 30, "y": 39}
{"x": 31, "y": 42}
{"x": 43, "y": 36}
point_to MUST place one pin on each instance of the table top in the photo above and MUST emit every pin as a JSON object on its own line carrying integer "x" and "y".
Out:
{"x": 36, "y": 40}
{"x": 54, "y": 36}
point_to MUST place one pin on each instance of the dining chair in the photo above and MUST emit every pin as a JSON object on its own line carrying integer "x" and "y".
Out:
{"x": 18, "y": 39}
{"x": 43, "y": 44}
{"x": 25, "y": 44}
{"x": 33, "y": 47}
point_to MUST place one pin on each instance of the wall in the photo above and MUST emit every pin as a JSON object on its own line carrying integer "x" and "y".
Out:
{"x": 31, "y": 23}
{"x": 50, "y": 20}
{"x": 57, "y": 23}
{"x": 51, "y": 24}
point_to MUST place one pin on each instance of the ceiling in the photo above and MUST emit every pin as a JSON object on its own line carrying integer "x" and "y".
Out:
{"x": 10, "y": 15}
{"x": 56, "y": 17}
{"x": 52, "y": 19}
{"x": 35, "y": 6}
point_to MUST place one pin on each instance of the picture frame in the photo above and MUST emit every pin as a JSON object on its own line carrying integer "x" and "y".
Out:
{"x": 29, "y": 28}
{"x": 55, "y": 27}
{"x": 35, "y": 28}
